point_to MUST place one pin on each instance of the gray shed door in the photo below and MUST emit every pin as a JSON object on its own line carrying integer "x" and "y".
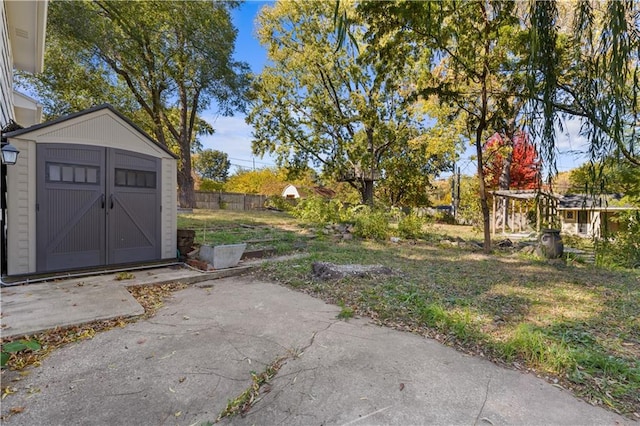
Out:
{"x": 95, "y": 206}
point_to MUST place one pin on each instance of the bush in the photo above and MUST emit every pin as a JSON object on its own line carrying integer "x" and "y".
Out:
{"x": 410, "y": 226}
{"x": 622, "y": 249}
{"x": 280, "y": 203}
{"x": 208, "y": 185}
{"x": 318, "y": 210}
{"x": 369, "y": 223}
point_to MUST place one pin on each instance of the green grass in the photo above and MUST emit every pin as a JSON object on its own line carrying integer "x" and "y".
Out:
{"x": 574, "y": 324}
{"x": 259, "y": 229}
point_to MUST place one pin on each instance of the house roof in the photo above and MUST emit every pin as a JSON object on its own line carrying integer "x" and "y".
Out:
{"x": 591, "y": 201}
{"x": 27, "y": 24}
{"x": 71, "y": 116}
{"x": 324, "y": 191}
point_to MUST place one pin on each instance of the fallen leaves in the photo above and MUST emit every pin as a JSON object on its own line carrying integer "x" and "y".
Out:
{"x": 152, "y": 297}
{"x": 8, "y": 390}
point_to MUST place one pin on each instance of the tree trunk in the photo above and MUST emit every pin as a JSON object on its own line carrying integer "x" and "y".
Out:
{"x": 482, "y": 124}
{"x": 484, "y": 206}
{"x": 186, "y": 195}
{"x": 368, "y": 192}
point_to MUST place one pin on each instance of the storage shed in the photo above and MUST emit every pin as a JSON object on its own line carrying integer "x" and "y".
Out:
{"x": 290, "y": 191}
{"x": 90, "y": 189}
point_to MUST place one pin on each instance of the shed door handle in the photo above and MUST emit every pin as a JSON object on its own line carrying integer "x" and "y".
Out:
{"x": 102, "y": 200}
{"x": 111, "y": 201}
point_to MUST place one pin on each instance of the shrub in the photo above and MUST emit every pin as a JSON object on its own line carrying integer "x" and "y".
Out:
{"x": 369, "y": 223}
{"x": 318, "y": 210}
{"x": 208, "y": 185}
{"x": 410, "y": 226}
{"x": 622, "y": 249}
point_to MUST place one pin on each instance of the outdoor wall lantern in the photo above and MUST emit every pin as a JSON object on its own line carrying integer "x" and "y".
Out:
{"x": 9, "y": 154}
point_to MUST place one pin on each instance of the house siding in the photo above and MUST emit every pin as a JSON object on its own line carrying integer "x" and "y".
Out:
{"x": 6, "y": 71}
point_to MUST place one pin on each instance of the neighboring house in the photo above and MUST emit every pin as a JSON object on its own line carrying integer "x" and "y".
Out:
{"x": 590, "y": 216}
{"x": 290, "y": 191}
{"x": 22, "y": 35}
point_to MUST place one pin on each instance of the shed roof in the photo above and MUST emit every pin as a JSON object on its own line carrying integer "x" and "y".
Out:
{"x": 22, "y": 132}
{"x": 523, "y": 194}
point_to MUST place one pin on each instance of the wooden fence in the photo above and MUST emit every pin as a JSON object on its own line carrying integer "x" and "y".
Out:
{"x": 229, "y": 201}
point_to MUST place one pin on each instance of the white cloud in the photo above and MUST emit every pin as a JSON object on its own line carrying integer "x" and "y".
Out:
{"x": 572, "y": 147}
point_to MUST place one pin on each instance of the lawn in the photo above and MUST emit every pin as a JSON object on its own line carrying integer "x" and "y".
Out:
{"x": 574, "y": 325}
{"x": 259, "y": 229}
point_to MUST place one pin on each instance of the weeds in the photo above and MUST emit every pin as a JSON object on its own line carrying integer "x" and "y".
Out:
{"x": 346, "y": 312}
{"x": 576, "y": 324}
{"x": 410, "y": 226}
{"x": 243, "y": 402}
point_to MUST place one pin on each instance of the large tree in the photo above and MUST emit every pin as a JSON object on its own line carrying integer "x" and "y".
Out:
{"x": 162, "y": 62}
{"x": 212, "y": 164}
{"x": 518, "y": 155}
{"x": 469, "y": 54}
{"x": 317, "y": 101}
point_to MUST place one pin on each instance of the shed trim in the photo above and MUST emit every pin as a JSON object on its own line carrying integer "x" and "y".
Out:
{"x": 71, "y": 116}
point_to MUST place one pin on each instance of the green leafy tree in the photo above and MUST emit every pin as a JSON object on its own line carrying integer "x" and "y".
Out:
{"x": 469, "y": 57}
{"x": 317, "y": 101}
{"x": 212, "y": 164}
{"x": 609, "y": 176}
{"x": 161, "y": 62}
{"x": 589, "y": 70}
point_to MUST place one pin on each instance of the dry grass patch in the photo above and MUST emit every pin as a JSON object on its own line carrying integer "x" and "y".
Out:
{"x": 575, "y": 325}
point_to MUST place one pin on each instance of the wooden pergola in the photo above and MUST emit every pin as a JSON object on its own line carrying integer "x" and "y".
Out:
{"x": 546, "y": 207}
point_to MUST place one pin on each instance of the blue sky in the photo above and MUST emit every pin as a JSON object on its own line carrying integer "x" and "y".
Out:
{"x": 233, "y": 135}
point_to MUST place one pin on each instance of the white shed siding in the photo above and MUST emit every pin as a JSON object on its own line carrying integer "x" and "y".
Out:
{"x": 169, "y": 208}
{"x": 21, "y": 203}
{"x": 6, "y": 70}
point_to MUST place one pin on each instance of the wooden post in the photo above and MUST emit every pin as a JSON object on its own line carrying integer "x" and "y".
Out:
{"x": 513, "y": 215}
{"x": 520, "y": 224}
{"x": 505, "y": 200}
{"x": 493, "y": 216}
{"x": 538, "y": 208}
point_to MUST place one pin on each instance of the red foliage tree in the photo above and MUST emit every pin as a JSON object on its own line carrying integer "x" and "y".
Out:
{"x": 525, "y": 164}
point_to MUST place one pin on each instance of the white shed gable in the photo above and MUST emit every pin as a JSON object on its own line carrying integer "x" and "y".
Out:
{"x": 101, "y": 127}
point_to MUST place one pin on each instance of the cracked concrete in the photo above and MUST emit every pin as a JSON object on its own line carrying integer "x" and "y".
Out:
{"x": 183, "y": 365}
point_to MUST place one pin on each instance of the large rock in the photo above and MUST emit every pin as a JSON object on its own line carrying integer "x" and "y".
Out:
{"x": 331, "y": 271}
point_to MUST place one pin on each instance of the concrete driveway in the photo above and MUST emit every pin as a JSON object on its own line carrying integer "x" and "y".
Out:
{"x": 182, "y": 366}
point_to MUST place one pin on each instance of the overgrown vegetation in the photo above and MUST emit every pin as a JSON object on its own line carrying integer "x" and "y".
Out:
{"x": 259, "y": 229}
{"x": 575, "y": 325}
{"x": 622, "y": 248}
{"x": 411, "y": 226}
